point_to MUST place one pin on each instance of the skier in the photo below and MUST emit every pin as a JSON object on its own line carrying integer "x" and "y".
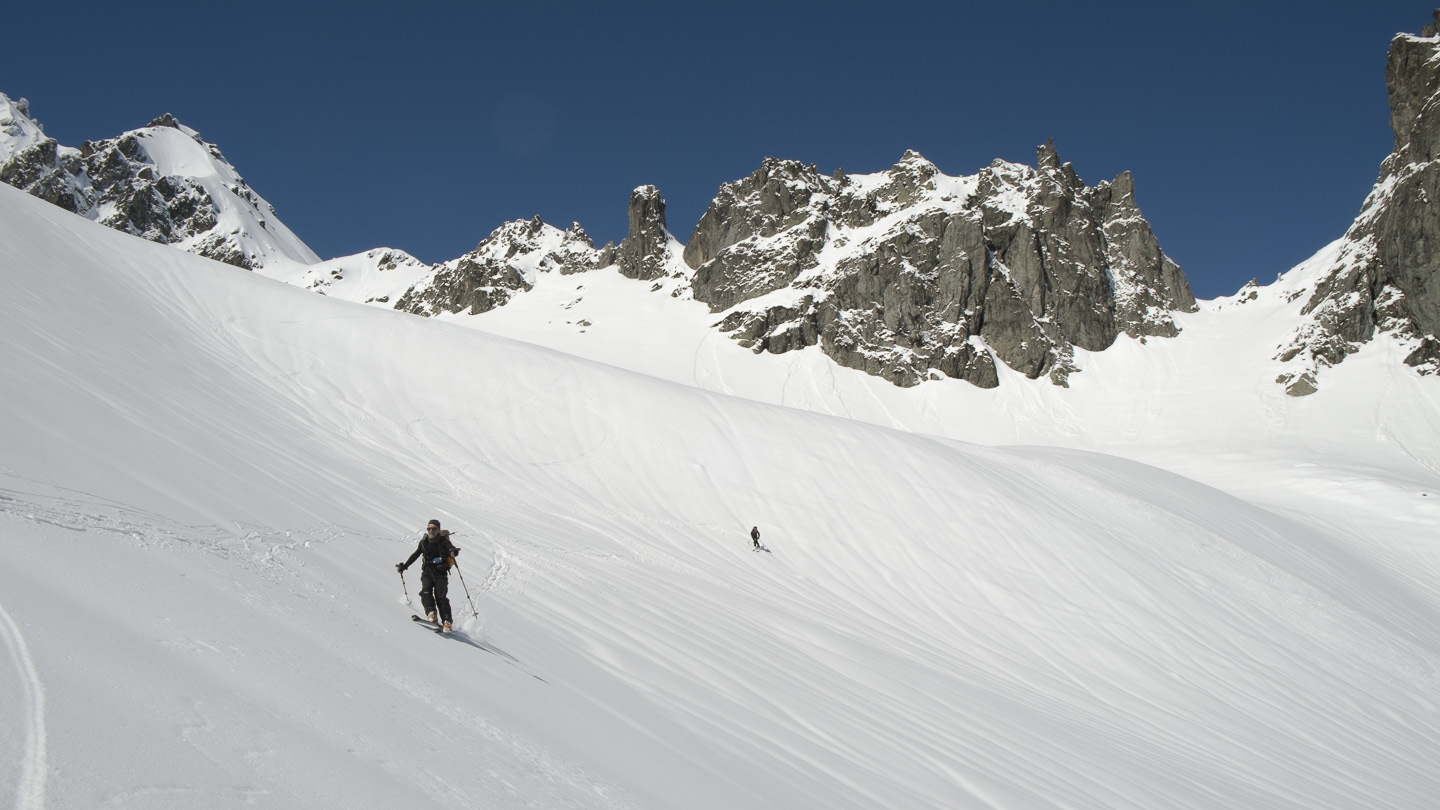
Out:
{"x": 436, "y": 553}
{"x": 755, "y": 536}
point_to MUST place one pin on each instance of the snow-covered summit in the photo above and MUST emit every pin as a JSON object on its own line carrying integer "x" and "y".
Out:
{"x": 377, "y": 277}
{"x": 18, "y": 131}
{"x": 505, "y": 263}
{"x": 161, "y": 182}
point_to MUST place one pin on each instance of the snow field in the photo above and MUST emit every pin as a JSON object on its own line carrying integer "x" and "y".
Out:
{"x": 208, "y": 477}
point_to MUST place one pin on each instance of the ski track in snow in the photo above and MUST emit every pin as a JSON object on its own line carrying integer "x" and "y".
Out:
{"x": 31, "y": 784}
{"x": 261, "y": 553}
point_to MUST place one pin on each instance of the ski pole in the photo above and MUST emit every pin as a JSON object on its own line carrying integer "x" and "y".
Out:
{"x": 404, "y": 589}
{"x": 473, "y": 611}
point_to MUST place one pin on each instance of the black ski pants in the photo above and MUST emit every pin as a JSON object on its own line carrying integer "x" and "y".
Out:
{"x": 434, "y": 585}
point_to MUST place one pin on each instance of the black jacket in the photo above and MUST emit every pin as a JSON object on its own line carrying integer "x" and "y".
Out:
{"x": 428, "y": 550}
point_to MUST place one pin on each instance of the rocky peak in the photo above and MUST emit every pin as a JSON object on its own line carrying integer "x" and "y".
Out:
{"x": 908, "y": 272}
{"x": 166, "y": 120}
{"x": 1386, "y": 274}
{"x": 1412, "y": 78}
{"x": 1046, "y": 158}
{"x": 909, "y": 179}
{"x": 148, "y": 182}
{"x": 1047, "y": 162}
{"x": 18, "y": 130}
{"x": 643, "y": 252}
{"x": 772, "y": 199}
{"x": 504, "y": 264}
{"x": 36, "y": 163}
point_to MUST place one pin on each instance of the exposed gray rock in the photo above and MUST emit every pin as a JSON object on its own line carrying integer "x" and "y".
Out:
{"x": 643, "y": 252}
{"x": 730, "y": 248}
{"x": 908, "y": 273}
{"x": 1298, "y": 385}
{"x": 776, "y": 197}
{"x": 53, "y": 174}
{"x": 129, "y": 194}
{"x": 1387, "y": 274}
{"x": 504, "y": 264}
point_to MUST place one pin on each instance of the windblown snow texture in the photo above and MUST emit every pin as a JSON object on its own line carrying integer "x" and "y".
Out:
{"x": 208, "y": 477}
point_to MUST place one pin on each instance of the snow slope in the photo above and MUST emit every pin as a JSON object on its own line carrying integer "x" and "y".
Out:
{"x": 1204, "y": 404}
{"x": 248, "y": 219}
{"x": 206, "y": 478}
{"x": 378, "y": 276}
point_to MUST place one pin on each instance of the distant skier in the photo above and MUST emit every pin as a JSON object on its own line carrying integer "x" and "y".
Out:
{"x": 755, "y": 536}
{"x": 436, "y": 553}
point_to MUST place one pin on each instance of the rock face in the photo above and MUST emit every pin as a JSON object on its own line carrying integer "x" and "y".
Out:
{"x": 135, "y": 183}
{"x": 1387, "y": 274}
{"x": 909, "y": 273}
{"x": 503, "y": 265}
{"x": 645, "y": 248}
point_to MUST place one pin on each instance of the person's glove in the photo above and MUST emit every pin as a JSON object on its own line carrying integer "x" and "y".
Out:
{"x": 400, "y": 567}
{"x": 455, "y": 553}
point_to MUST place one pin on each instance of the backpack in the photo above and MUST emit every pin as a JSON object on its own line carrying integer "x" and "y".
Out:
{"x": 436, "y": 555}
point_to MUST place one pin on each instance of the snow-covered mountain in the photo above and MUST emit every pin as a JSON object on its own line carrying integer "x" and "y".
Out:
{"x": 1170, "y": 583}
{"x": 161, "y": 182}
{"x": 506, "y": 263}
{"x": 206, "y": 478}
{"x": 906, "y": 274}
{"x": 912, "y": 275}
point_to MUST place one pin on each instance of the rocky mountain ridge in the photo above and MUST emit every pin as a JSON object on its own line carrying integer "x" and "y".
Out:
{"x": 907, "y": 274}
{"x": 503, "y": 265}
{"x": 1386, "y": 273}
{"x": 161, "y": 182}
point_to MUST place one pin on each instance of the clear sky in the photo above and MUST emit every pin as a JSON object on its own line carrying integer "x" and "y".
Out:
{"x": 1254, "y": 129}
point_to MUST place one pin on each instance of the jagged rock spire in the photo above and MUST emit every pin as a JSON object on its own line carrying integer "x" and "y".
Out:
{"x": 642, "y": 253}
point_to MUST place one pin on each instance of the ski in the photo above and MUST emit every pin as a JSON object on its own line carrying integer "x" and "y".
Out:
{"x": 427, "y": 624}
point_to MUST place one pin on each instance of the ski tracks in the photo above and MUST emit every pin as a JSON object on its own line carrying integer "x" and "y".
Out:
{"x": 30, "y": 787}
{"x": 499, "y": 569}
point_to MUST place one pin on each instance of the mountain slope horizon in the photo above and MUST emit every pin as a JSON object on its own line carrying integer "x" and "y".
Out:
{"x": 231, "y": 467}
{"x": 907, "y": 274}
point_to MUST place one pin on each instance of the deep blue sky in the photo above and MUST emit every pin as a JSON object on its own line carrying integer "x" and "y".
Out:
{"x": 1254, "y": 129}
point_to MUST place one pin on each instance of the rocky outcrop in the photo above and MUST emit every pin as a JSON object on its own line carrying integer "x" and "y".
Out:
{"x": 503, "y": 265}
{"x": 644, "y": 250}
{"x": 733, "y": 250}
{"x": 1386, "y": 277}
{"x": 122, "y": 184}
{"x": 910, "y": 273}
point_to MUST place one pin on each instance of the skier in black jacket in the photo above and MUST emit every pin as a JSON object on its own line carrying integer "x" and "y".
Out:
{"x": 436, "y": 552}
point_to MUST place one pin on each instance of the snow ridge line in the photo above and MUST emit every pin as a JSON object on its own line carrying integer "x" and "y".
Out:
{"x": 30, "y": 789}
